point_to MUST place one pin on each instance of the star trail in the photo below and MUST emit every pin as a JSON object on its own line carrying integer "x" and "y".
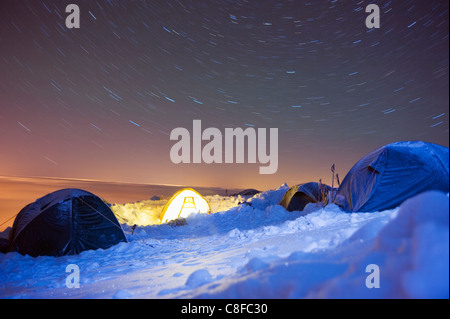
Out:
{"x": 100, "y": 101}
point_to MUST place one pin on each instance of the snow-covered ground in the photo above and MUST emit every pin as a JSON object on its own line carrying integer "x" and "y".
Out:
{"x": 254, "y": 251}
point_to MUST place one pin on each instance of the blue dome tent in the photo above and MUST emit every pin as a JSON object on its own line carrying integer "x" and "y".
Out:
{"x": 389, "y": 175}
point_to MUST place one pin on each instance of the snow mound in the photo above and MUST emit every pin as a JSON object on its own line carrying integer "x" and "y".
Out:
{"x": 411, "y": 253}
{"x": 199, "y": 278}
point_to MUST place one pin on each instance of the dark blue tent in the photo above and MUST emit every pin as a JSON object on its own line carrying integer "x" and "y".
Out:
{"x": 298, "y": 196}
{"x": 65, "y": 222}
{"x": 393, "y": 173}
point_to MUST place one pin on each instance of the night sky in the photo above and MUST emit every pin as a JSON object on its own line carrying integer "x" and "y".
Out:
{"x": 99, "y": 102}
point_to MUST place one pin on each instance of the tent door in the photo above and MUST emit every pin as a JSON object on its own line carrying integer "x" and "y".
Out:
{"x": 188, "y": 202}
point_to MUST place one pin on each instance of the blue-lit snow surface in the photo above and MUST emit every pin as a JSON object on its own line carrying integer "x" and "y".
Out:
{"x": 258, "y": 251}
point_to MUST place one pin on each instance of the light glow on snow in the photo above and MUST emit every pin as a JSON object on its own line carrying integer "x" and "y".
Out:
{"x": 147, "y": 212}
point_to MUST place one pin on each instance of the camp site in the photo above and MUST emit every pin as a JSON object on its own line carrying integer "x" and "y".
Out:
{"x": 350, "y": 239}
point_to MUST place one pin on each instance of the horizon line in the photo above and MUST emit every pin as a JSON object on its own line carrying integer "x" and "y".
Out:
{"x": 104, "y": 181}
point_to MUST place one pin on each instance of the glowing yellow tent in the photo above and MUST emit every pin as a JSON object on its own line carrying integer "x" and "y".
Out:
{"x": 183, "y": 203}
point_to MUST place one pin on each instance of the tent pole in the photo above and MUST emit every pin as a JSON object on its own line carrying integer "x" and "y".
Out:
{"x": 332, "y": 180}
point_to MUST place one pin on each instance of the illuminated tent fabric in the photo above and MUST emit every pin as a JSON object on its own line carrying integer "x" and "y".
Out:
{"x": 389, "y": 175}
{"x": 65, "y": 222}
{"x": 298, "y": 196}
{"x": 182, "y": 204}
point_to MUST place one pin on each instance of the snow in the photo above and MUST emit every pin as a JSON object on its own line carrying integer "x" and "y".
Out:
{"x": 254, "y": 250}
